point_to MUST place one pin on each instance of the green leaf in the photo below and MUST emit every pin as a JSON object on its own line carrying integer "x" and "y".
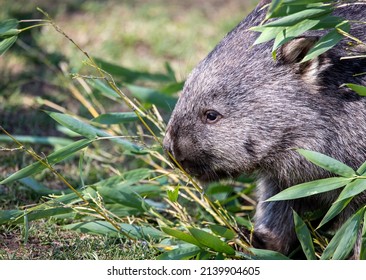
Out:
{"x": 173, "y": 195}
{"x": 181, "y": 253}
{"x": 362, "y": 169}
{"x": 327, "y": 42}
{"x": 75, "y": 125}
{"x": 262, "y": 254}
{"x": 131, "y": 76}
{"x": 152, "y": 96}
{"x": 344, "y": 240}
{"x": 6, "y": 43}
{"x": 361, "y": 90}
{"x": 53, "y": 158}
{"x": 311, "y": 188}
{"x": 105, "y": 228}
{"x": 211, "y": 241}
{"x": 116, "y": 118}
{"x": 363, "y": 239}
{"x": 267, "y": 33}
{"x": 284, "y": 8}
{"x": 291, "y": 32}
{"x": 104, "y": 89}
{"x": 353, "y": 188}
{"x": 181, "y": 235}
{"x": 328, "y": 163}
{"x": 39, "y": 188}
{"x": 90, "y": 131}
{"x": 16, "y": 216}
{"x": 304, "y": 236}
{"x": 223, "y": 231}
{"x": 125, "y": 197}
{"x": 299, "y": 16}
{"x": 7, "y": 25}
{"x": 54, "y": 141}
{"x": 334, "y": 210}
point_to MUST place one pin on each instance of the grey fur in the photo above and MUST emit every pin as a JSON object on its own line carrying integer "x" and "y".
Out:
{"x": 267, "y": 108}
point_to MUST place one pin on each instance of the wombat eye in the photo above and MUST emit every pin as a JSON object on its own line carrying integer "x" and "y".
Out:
{"x": 212, "y": 116}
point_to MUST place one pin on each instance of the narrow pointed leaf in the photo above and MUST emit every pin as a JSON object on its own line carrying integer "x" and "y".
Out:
{"x": 300, "y": 16}
{"x": 328, "y": 163}
{"x": 361, "y": 90}
{"x": 7, "y": 25}
{"x": 362, "y": 169}
{"x": 327, "y": 42}
{"x": 304, "y": 236}
{"x": 291, "y": 32}
{"x": 353, "y": 188}
{"x": 334, "y": 210}
{"x": 6, "y": 43}
{"x": 311, "y": 188}
{"x": 181, "y": 235}
{"x": 211, "y": 241}
{"x": 262, "y": 254}
{"x": 363, "y": 239}
{"x": 223, "y": 231}
{"x": 53, "y": 158}
{"x": 344, "y": 240}
{"x": 181, "y": 253}
{"x": 116, "y": 118}
{"x": 90, "y": 131}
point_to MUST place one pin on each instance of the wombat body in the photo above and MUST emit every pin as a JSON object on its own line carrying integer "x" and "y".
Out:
{"x": 241, "y": 111}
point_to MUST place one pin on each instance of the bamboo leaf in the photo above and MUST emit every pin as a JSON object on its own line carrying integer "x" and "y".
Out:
{"x": 328, "y": 163}
{"x": 344, "y": 240}
{"x": 334, "y": 210}
{"x": 7, "y": 25}
{"x": 304, "y": 236}
{"x": 362, "y": 169}
{"x": 90, "y": 131}
{"x": 262, "y": 254}
{"x": 360, "y": 90}
{"x": 211, "y": 241}
{"x": 116, "y": 118}
{"x": 53, "y": 158}
{"x": 223, "y": 231}
{"x": 295, "y": 18}
{"x": 311, "y": 188}
{"x": 352, "y": 189}
{"x": 363, "y": 239}
{"x": 181, "y": 235}
{"x": 6, "y": 43}
{"x": 181, "y": 253}
{"x": 327, "y": 42}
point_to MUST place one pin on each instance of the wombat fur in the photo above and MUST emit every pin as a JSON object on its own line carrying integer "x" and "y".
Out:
{"x": 241, "y": 111}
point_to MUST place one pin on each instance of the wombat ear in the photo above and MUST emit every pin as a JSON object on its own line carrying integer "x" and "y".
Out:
{"x": 293, "y": 53}
{"x": 295, "y": 50}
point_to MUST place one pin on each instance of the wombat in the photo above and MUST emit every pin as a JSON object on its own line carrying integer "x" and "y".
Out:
{"x": 241, "y": 111}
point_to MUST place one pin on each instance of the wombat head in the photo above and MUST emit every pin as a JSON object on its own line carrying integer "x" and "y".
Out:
{"x": 242, "y": 111}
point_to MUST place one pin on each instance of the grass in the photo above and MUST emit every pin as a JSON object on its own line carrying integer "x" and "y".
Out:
{"x": 48, "y": 241}
{"x": 139, "y": 35}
